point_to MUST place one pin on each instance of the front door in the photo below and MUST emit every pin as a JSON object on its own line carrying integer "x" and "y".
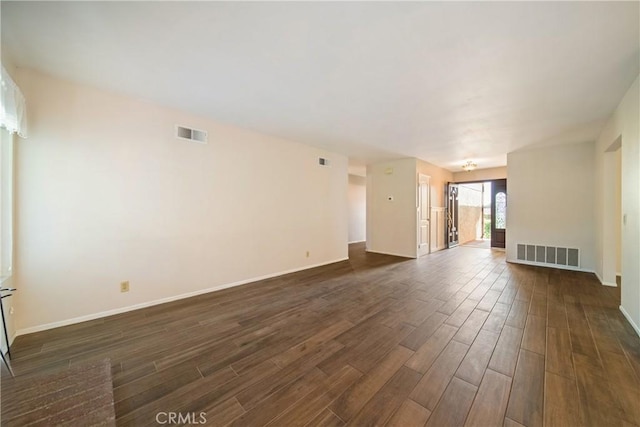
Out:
{"x": 452, "y": 215}
{"x": 499, "y": 213}
{"x": 423, "y": 215}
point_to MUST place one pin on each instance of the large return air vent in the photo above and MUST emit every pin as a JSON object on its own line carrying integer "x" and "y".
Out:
{"x": 193, "y": 135}
{"x": 548, "y": 255}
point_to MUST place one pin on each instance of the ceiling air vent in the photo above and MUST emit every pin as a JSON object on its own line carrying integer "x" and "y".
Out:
{"x": 193, "y": 135}
{"x": 323, "y": 162}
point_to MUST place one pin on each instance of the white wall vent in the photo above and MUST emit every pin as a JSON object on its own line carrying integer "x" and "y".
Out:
{"x": 193, "y": 135}
{"x": 538, "y": 254}
{"x": 323, "y": 162}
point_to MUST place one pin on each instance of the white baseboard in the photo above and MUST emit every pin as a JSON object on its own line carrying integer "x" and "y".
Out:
{"x": 107, "y": 313}
{"x": 613, "y": 285}
{"x": 357, "y": 241}
{"x": 390, "y": 253}
{"x": 560, "y": 267}
{"x": 626, "y": 314}
{"x": 598, "y": 276}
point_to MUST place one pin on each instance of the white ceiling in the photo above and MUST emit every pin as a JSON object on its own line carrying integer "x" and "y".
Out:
{"x": 443, "y": 82}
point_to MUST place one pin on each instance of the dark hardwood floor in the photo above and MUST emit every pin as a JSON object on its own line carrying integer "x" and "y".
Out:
{"x": 458, "y": 337}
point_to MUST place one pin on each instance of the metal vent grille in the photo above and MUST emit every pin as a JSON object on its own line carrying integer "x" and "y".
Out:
{"x": 194, "y": 135}
{"x": 548, "y": 255}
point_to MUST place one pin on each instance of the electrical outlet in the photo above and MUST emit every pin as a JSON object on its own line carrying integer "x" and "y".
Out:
{"x": 124, "y": 286}
{"x": 11, "y": 310}
{"x": 308, "y": 253}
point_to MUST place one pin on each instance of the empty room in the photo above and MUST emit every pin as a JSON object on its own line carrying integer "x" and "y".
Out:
{"x": 320, "y": 213}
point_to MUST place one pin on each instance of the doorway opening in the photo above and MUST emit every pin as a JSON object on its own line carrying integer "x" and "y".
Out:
{"x": 474, "y": 206}
{"x": 476, "y": 214}
{"x": 424, "y": 215}
{"x": 612, "y": 217}
{"x": 357, "y": 197}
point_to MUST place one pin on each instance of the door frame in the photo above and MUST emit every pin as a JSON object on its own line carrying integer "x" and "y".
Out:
{"x": 451, "y": 215}
{"x": 498, "y": 186}
{"x": 480, "y": 181}
{"x": 420, "y": 208}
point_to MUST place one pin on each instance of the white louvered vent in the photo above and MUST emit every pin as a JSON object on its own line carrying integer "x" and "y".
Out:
{"x": 538, "y": 254}
{"x": 323, "y": 162}
{"x": 193, "y": 135}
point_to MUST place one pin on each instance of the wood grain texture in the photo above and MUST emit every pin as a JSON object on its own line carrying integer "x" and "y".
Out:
{"x": 455, "y": 337}
{"x": 435, "y": 381}
{"x": 455, "y": 403}
{"x": 354, "y": 398}
{"x": 304, "y": 410}
{"x": 561, "y": 402}
{"x": 558, "y": 357}
{"x": 491, "y": 400}
{"x": 386, "y": 401}
{"x": 429, "y": 351}
{"x": 535, "y": 334}
{"x": 423, "y": 332}
{"x": 468, "y": 331}
{"x": 505, "y": 356}
{"x": 526, "y": 400}
{"x": 410, "y": 414}
{"x": 475, "y": 362}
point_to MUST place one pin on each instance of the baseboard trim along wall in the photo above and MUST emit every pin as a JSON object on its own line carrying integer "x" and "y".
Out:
{"x": 356, "y": 241}
{"x": 613, "y": 285}
{"x": 391, "y": 253}
{"x": 558, "y": 266}
{"x": 626, "y": 314}
{"x": 107, "y": 313}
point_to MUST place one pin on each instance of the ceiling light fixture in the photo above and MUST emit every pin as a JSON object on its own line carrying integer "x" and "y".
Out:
{"x": 469, "y": 166}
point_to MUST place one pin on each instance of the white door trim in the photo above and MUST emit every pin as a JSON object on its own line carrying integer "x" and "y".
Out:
{"x": 423, "y": 214}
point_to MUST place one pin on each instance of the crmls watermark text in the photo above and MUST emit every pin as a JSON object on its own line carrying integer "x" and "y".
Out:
{"x": 181, "y": 418}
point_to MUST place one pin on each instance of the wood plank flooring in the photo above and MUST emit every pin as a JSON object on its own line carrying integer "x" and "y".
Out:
{"x": 456, "y": 338}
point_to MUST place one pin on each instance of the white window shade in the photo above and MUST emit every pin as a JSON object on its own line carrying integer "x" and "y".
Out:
{"x": 13, "y": 110}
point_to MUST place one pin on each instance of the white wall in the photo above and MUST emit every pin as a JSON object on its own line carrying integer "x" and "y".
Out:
{"x": 481, "y": 175}
{"x": 106, "y": 193}
{"x": 439, "y": 179}
{"x": 623, "y": 124}
{"x": 357, "y": 208}
{"x": 391, "y": 224}
{"x": 550, "y": 200}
